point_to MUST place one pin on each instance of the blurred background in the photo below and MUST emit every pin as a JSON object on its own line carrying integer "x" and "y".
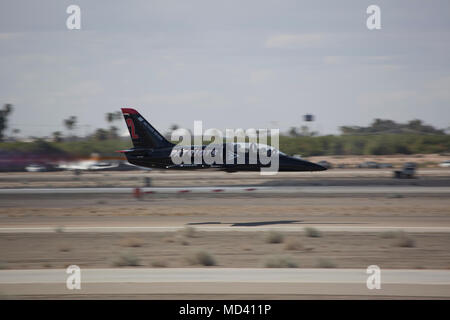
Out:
{"x": 370, "y": 105}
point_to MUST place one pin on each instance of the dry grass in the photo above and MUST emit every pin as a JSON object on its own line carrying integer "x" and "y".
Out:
{"x": 65, "y": 248}
{"x": 274, "y": 237}
{"x": 160, "y": 264}
{"x": 246, "y": 247}
{"x": 388, "y": 234}
{"x": 203, "y": 258}
{"x": 326, "y": 263}
{"x": 59, "y": 229}
{"x": 312, "y": 232}
{"x": 170, "y": 239}
{"x": 403, "y": 240}
{"x": 184, "y": 242}
{"x": 292, "y": 243}
{"x": 280, "y": 262}
{"x": 189, "y": 232}
{"x": 177, "y": 239}
{"x": 126, "y": 259}
{"x": 231, "y": 249}
{"x": 131, "y": 242}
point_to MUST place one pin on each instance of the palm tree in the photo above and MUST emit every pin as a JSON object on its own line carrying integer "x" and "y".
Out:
{"x": 113, "y": 116}
{"x": 57, "y": 136}
{"x": 7, "y": 109}
{"x": 70, "y": 123}
{"x": 110, "y": 118}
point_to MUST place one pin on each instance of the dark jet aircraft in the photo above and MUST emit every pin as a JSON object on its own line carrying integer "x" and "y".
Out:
{"x": 152, "y": 150}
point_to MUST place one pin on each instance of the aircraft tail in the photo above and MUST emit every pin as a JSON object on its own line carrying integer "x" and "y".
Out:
{"x": 142, "y": 133}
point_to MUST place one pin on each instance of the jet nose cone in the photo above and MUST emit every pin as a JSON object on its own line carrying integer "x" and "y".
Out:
{"x": 303, "y": 165}
{"x": 318, "y": 167}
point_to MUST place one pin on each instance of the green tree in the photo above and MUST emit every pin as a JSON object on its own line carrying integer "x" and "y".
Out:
{"x": 113, "y": 132}
{"x": 110, "y": 118}
{"x": 70, "y": 123}
{"x": 4, "y": 113}
{"x": 113, "y": 116}
{"x": 101, "y": 134}
{"x": 293, "y": 132}
{"x": 57, "y": 136}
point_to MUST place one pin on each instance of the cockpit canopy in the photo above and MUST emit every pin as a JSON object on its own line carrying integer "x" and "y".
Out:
{"x": 236, "y": 147}
{"x": 259, "y": 147}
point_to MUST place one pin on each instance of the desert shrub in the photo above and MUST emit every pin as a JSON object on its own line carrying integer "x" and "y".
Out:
{"x": 203, "y": 258}
{"x": 403, "y": 240}
{"x": 131, "y": 242}
{"x": 59, "y": 229}
{"x": 312, "y": 232}
{"x": 159, "y": 264}
{"x": 189, "y": 232}
{"x": 388, "y": 234}
{"x": 126, "y": 259}
{"x": 184, "y": 242}
{"x": 65, "y": 248}
{"x": 326, "y": 263}
{"x": 280, "y": 262}
{"x": 274, "y": 237}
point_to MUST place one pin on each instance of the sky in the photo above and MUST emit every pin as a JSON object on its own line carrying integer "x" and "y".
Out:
{"x": 232, "y": 64}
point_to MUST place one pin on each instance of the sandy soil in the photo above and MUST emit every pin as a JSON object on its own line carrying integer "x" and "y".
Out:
{"x": 429, "y": 160}
{"x": 229, "y": 249}
{"x": 29, "y": 208}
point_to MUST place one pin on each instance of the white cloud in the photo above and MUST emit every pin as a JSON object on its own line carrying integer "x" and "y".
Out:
{"x": 294, "y": 40}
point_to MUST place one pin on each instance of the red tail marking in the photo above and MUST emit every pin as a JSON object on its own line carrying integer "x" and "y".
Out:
{"x": 130, "y": 124}
{"x": 129, "y": 111}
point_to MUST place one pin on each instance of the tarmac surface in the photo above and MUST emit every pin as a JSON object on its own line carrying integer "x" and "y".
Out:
{"x": 90, "y": 206}
{"x": 218, "y": 189}
{"x": 254, "y": 282}
{"x": 288, "y": 228}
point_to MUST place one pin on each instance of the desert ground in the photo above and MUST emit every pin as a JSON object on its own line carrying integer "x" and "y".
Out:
{"x": 229, "y": 248}
{"x": 423, "y": 160}
{"x": 226, "y": 249}
{"x": 392, "y": 230}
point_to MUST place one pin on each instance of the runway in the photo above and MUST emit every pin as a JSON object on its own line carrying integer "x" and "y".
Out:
{"x": 228, "y": 228}
{"x": 219, "y": 189}
{"x": 46, "y": 226}
{"x": 167, "y": 174}
{"x": 243, "y": 281}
